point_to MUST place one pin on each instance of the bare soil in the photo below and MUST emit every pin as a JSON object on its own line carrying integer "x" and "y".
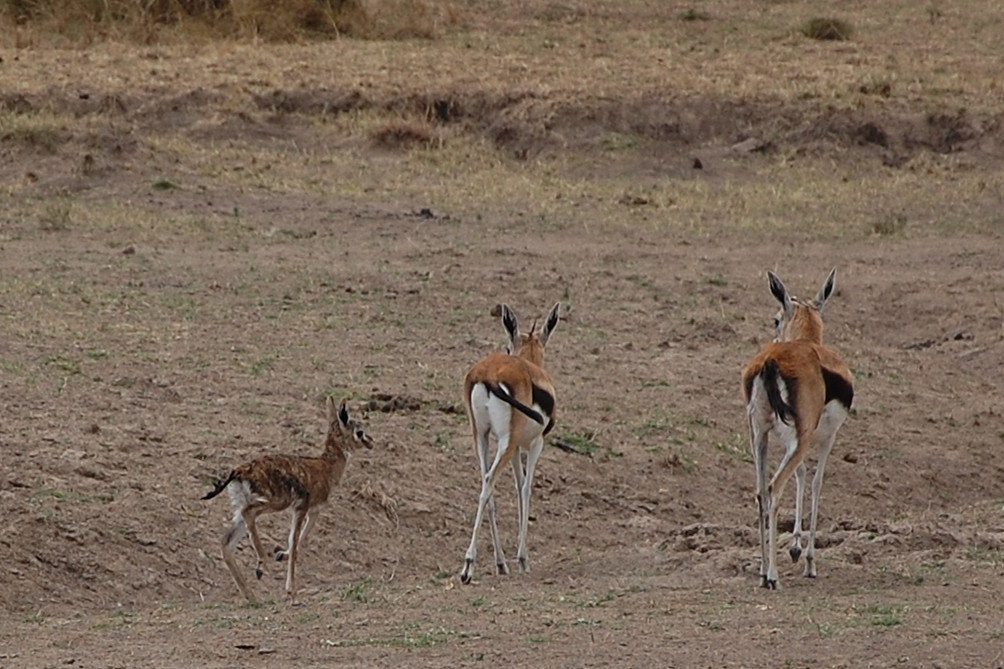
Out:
{"x": 168, "y": 313}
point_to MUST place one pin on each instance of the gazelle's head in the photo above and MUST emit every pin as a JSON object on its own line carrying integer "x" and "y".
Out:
{"x": 799, "y": 319}
{"x": 529, "y": 346}
{"x": 343, "y": 430}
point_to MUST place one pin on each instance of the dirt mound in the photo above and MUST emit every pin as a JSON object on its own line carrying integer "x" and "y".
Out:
{"x": 530, "y": 123}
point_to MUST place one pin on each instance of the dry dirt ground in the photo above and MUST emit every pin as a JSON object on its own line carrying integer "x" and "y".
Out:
{"x": 190, "y": 265}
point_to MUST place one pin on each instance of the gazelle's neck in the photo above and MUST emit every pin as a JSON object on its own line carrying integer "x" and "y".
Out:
{"x": 806, "y": 324}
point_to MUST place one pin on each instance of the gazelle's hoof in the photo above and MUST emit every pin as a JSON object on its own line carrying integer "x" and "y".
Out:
{"x": 524, "y": 565}
{"x": 768, "y": 583}
{"x": 468, "y": 572}
{"x": 501, "y": 568}
{"x": 795, "y": 552}
{"x": 258, "y": 572}
{"x": 280, "y": 554}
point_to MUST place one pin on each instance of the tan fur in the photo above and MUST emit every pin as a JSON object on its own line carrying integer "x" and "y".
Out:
{"x": 277, "y": 482}
{"x": 519, "y": 374}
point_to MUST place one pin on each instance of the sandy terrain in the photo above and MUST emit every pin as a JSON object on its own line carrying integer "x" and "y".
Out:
{"x": 183, "y": 282}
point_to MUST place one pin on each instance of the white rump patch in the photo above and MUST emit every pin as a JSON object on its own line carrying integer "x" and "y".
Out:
{"x": 241, "y": 496}
{"x": 759, "y": 410}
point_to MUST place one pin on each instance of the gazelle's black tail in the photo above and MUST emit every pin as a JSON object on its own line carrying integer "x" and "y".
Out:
{"x": 770, "y": 375}
{"x": 501, "y": 393}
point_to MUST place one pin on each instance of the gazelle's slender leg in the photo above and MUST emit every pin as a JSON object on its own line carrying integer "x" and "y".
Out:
{"x": 796, "y": 447}
{"x": 295, "y": 530}
{"x": 524, "y": 494}
{"x": 795, "y": 550}
{"x": 826, "y": 433}
{"x": 758, "y": 445}
{"x": 500, "y": 564}
{"x": 519, "y": 476}
{"x": 487, "y": 488}
{"x": 771, "y": 579}
{"x": 501, "y": 567}
{"x": 237, "y": 531}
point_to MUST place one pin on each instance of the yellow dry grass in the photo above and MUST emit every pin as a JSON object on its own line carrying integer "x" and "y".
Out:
{"x": 587, "y": 57}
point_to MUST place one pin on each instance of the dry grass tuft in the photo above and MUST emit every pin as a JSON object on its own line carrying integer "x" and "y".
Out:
{"x": 827, "y": 29}
{"x": 692, "y": 14}
{"x": 403, "y": 135}
{"x": 890, "y": 225}
{"x": 368, "y": 491}
{"x": 83, "y": 22}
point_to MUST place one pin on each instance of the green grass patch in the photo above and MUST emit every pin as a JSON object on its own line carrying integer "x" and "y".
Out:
{"x": 582, "y": 443}
{"x": 736, "y": 447}
{"x": 358, "y": 591}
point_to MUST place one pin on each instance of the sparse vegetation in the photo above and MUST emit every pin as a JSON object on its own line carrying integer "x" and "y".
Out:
{"x": 406, "y": 135}
{"x": 693, "y": 14}
{"x": 358, "y": 591}
{"x": 890, "y": 225}
{"x": 165, "y": 184}
{"x": 827, "y": 29}
{"x": 86, "y": 21}
{"x": 583, "y": 443}
{"x": 156, "y": 335}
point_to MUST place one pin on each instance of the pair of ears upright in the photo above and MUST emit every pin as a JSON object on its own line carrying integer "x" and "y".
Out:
{"x": 511, "y": 325}
{"x": 787, "y": 302}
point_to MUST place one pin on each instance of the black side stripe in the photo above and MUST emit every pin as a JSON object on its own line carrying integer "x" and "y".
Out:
{"x": 545, "y": 401}
{"x": 515, "y": 403}
{"x": 837, "y": 388}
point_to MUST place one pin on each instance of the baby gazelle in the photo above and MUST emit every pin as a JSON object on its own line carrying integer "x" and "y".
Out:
{"x": 278, "y": 482}
{"x": 800, "y": 391}
{"x": 510, "y": 396}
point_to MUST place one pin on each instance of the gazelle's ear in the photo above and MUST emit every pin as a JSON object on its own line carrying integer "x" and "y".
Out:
{"x": 551, "y": 322}
{"x": 825, "y": 292}
{"x": 780, "y": 293}
{"x": 343, "y": 415}
{"x": 511, "y": 326}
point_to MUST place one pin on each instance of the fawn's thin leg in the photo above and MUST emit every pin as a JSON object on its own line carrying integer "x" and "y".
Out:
{"x": 283, "y": 553}
{"x": 237, "y": 531}
{"x": 250, "y": 514}
{"x": 295, "y": 530}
